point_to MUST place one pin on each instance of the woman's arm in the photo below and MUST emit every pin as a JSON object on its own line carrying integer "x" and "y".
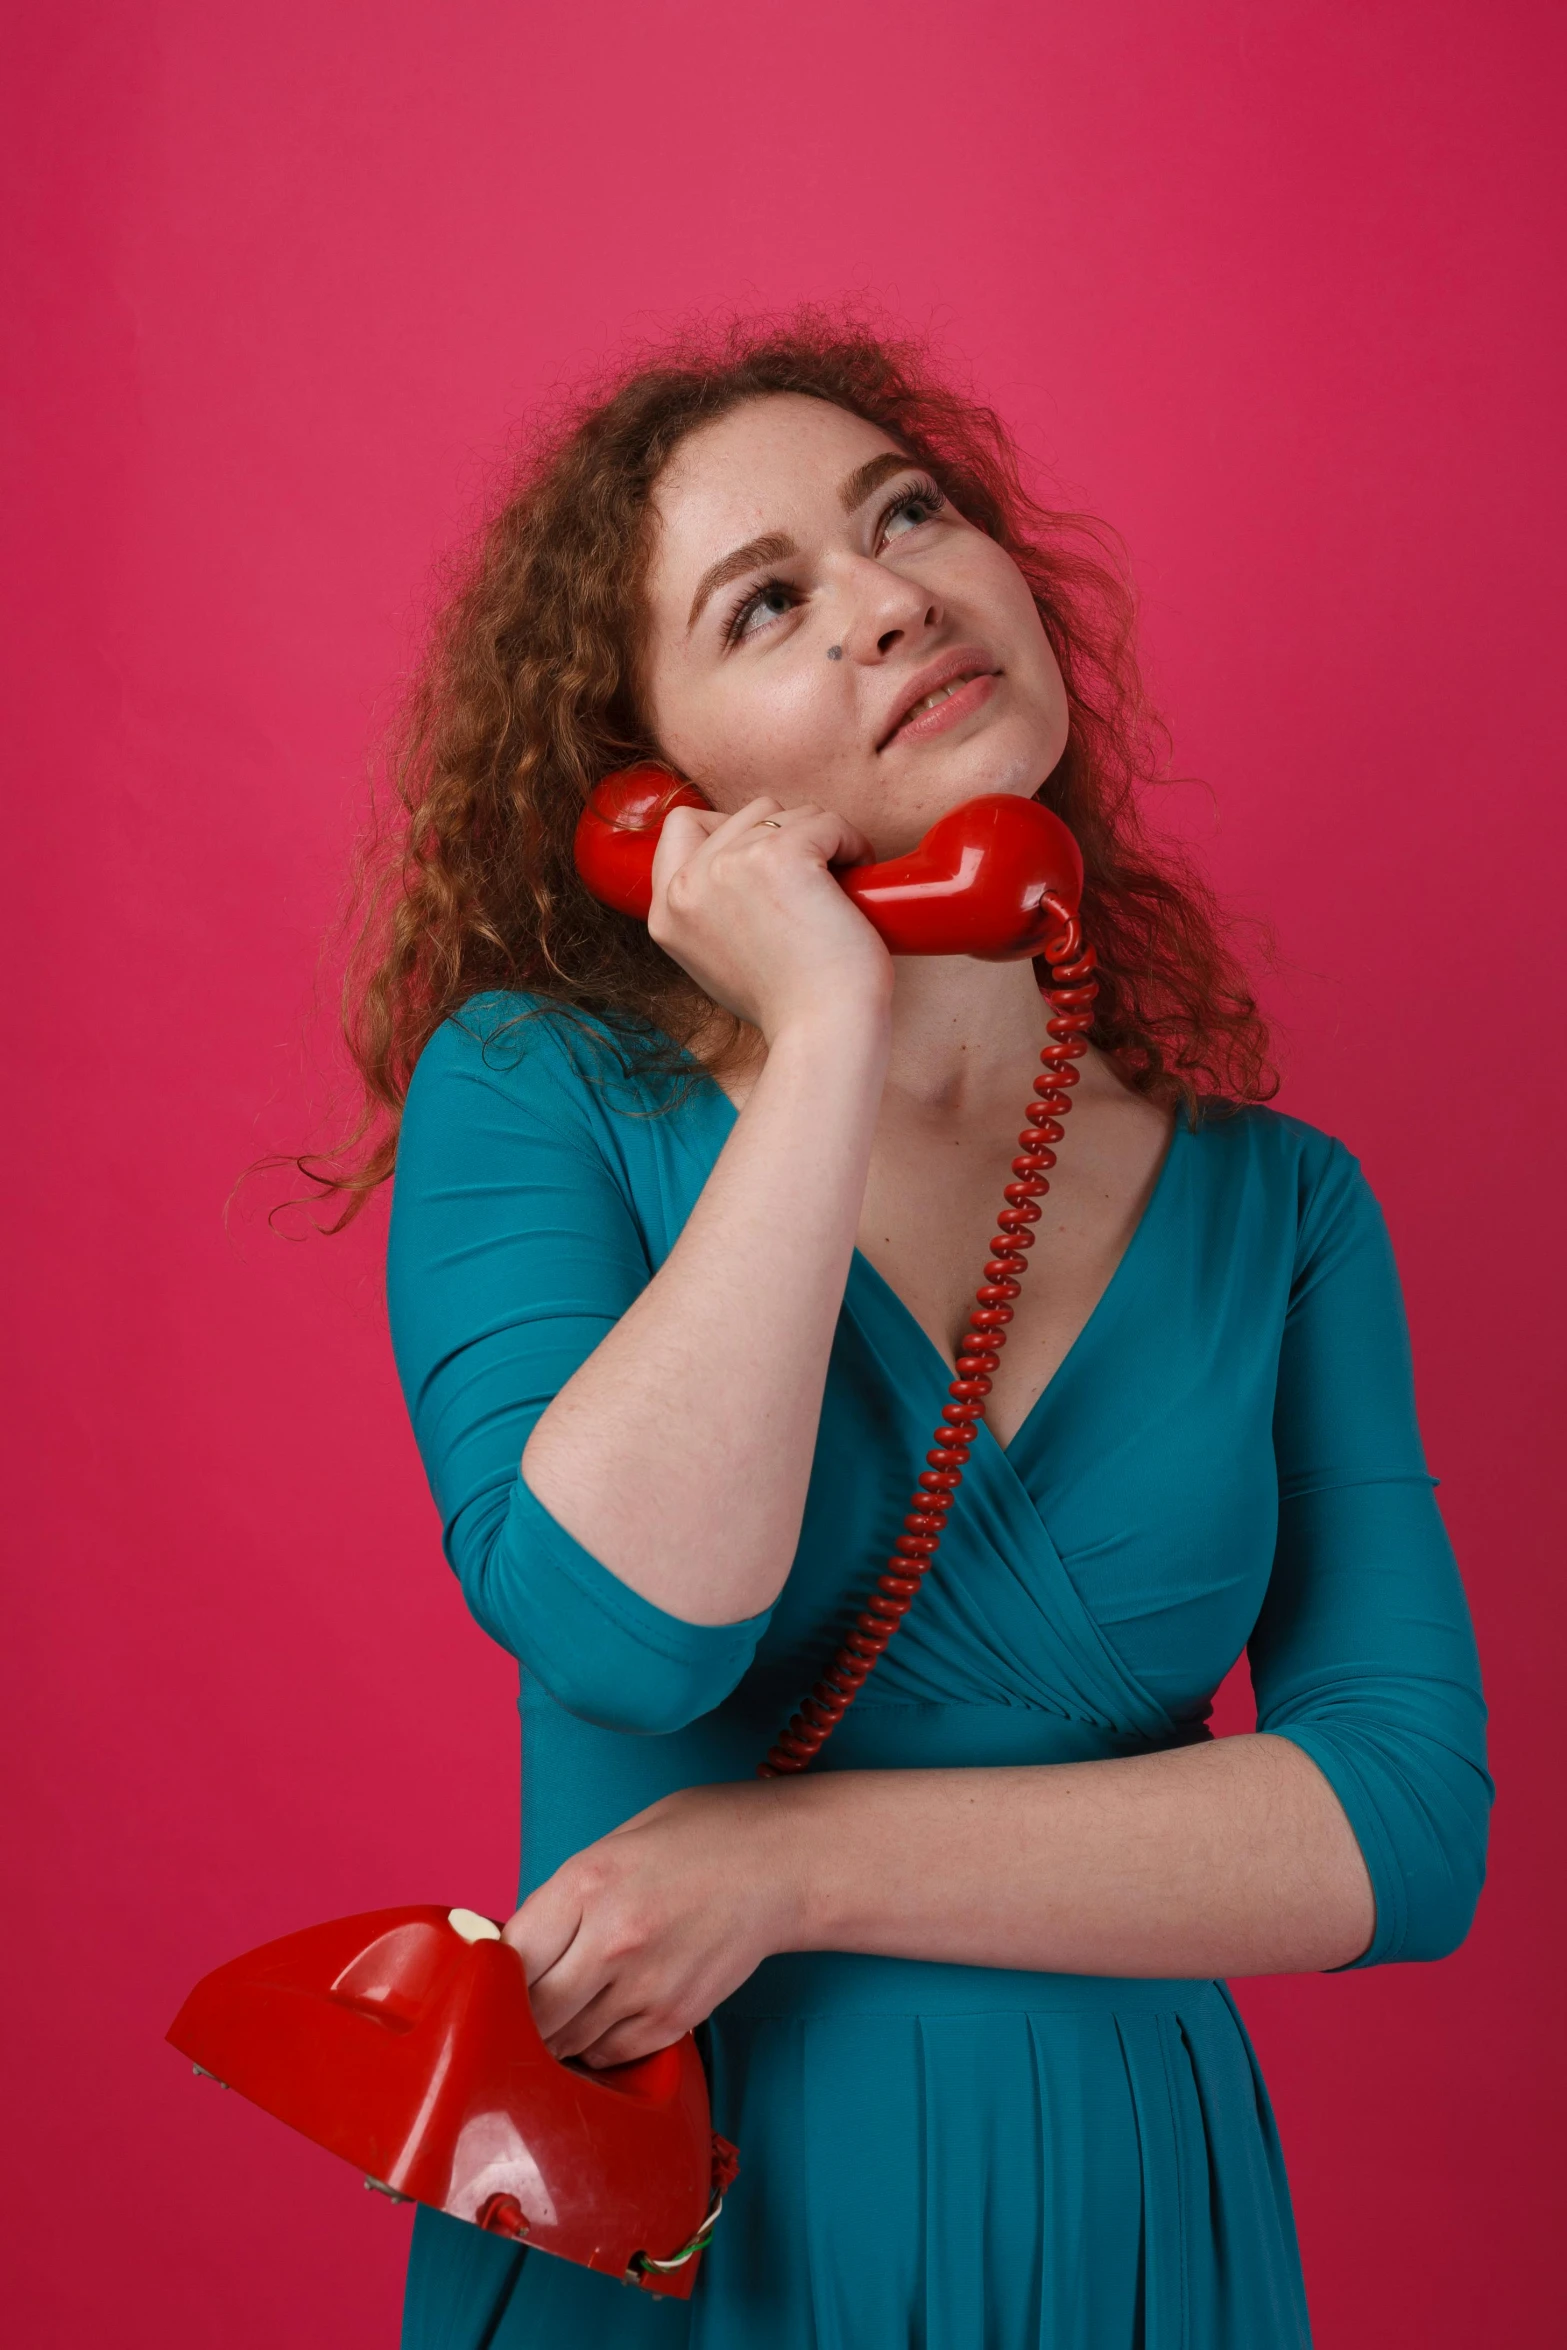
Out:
{"x": 516, "y": 1255}
{"x": 1211, "y": 1860}
{"x": 1232, "y": 1858}
{"x": 680, "y": 1452}
{"x": 1229, "y": 1858}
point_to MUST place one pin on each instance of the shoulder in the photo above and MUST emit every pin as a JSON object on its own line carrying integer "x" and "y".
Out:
{"x": 529, "y": 1057}
{"x": 509, "y": 1039}
{"x": 1304, "y": 1184}
{"x": 1281, "y": 1151}
{"x": 513, "y": 1133}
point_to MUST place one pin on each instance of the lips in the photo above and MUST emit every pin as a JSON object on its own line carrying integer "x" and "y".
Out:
{"x": 963, "y": 663}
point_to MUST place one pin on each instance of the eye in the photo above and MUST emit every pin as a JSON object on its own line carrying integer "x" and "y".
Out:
{"x": 762, "y": 605}
{"x": 911, "y": 507}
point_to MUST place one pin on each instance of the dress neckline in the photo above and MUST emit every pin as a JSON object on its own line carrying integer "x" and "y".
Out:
{"x": 869, "y": 1277}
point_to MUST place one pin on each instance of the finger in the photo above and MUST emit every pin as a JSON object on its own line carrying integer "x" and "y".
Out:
{"x": 680, "y": 837}
{"x": 559, "y": 1996}
{"x": 610, "y": 2007}
{"x": 691, "y": 825}
{"x": 681, "y": 844}
{"x": 854, "y": 846}
{"x": 687, "y": 833}
{"x": 835, "y": 839}
{"x": 719, "y": 828}
{"x": 633, "y": 2037}
{"x": 544, "y": 1928}
{"x": 842, "y": 843}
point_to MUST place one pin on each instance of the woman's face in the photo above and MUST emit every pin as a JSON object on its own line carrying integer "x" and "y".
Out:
{"x": 810, "y": 591}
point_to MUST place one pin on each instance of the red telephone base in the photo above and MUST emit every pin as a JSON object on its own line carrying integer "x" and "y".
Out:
{"x": 403, "y": 2040}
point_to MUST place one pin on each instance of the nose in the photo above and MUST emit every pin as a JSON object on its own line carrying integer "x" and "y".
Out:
{"x": 887, "y": 610}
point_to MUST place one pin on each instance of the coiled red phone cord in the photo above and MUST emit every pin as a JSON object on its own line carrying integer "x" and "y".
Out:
{"x": 1071, "y": 998}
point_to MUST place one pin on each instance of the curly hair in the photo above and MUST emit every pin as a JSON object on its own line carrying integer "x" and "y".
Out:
{"x": 529, "y": 692}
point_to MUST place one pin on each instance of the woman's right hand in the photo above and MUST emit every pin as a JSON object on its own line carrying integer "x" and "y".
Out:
{"x": 748, "y": 905}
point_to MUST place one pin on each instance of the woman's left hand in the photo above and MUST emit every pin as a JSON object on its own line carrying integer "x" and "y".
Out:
{"x": 638, "y": 1937}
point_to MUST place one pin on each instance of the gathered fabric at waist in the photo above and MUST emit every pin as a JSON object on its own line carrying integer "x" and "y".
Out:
{"x": 849, "y": 1982}
{"x": 925, "y": 1737}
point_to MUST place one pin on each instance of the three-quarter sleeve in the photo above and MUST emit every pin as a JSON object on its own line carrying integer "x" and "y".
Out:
{"x": 1364, "y": 1654}
{"x": 514, "y": 1249}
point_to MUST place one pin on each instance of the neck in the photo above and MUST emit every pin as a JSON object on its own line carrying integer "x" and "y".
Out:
{"x": 960, "y": 1030}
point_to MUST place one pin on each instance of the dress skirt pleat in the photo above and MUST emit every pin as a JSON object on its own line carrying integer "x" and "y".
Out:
{"x": 1060, "y": 2179}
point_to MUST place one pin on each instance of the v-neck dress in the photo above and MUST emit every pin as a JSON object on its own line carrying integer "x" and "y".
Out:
{"x": 952, "y": 2157}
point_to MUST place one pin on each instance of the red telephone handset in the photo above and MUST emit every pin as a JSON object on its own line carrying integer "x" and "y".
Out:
{"x": 999, "y": 878}
{"x": 404, "y": 2040}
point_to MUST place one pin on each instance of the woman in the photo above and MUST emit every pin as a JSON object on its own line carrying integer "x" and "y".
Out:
{"x": 686, "y": 1225}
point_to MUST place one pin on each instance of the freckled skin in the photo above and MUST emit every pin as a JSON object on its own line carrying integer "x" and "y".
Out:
{"x": 880, "y": 596}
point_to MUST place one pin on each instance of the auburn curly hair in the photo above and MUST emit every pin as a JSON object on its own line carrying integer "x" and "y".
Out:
{"x": 528, "y": 694}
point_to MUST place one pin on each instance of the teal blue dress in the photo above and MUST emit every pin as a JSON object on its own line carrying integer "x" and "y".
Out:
{"x": 953, "y": 2157}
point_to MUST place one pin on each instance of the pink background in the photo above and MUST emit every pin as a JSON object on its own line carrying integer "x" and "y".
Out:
{"x": 1275, "y": 287}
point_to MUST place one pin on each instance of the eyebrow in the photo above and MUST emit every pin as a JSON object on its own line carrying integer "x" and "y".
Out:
{"x": 771, "y": 549}
{"x": 857, "y": 486}
{"x": 776, "y": 546}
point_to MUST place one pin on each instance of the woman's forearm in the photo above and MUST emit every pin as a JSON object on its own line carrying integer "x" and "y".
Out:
{"x": 1229, "y": 1858}
{"x": 679, "y": 1454}
{"x": 1233, "y": 1858}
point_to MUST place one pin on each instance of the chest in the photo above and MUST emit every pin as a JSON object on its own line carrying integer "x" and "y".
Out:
{"x": 934, "y": 1187}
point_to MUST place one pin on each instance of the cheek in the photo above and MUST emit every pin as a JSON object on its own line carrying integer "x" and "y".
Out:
{"x": 1000, "y": 595}
{"x": 1031, "y": 654}
{"x": 996, "y": 586}
{"x": 755, "y": 730}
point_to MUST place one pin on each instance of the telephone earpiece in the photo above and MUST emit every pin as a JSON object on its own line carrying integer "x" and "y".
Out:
{"x": 999, "y": 878}
{"x": 618, "y": 831}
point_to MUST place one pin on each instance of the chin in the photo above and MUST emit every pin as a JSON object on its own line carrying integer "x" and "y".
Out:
{"x": 1018, "y": 767}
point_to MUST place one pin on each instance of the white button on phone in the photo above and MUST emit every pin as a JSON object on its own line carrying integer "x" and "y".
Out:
{"x": 472, "y": 1927}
